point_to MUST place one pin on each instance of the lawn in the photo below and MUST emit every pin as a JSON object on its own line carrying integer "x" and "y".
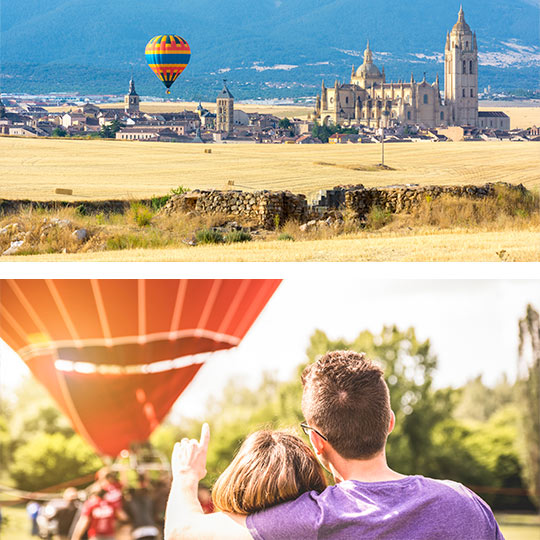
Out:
{"x": 513, "y": 526}
{"x": 105, "y": 169}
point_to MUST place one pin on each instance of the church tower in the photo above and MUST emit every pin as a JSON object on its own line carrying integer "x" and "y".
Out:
{"x": 461, "y": 74}
{"x": 132, "y": 100}
{"x": 225, "y": 110}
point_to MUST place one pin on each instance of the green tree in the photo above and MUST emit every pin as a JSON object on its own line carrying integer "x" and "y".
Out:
{"x": 108, "y": 131}
{"x": 59, "y": 132}
{"x": 285, "y": 123}
{"x": 51, "y": 459}
{"x": 528, "y": 392}
{"x": 478, "y": 401}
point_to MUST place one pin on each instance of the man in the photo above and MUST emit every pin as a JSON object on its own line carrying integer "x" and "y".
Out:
{"x": 58, "y": 516}
{"x": 98, "y": 517}
{"x": 346, "y": 404}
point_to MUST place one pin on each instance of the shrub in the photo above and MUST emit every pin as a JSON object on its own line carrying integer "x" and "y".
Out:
{"x": 142, "y": 215}
{"x": 208, "y": 236}
{"x": 81, "y": 210}
{"x": 238, "y": 236}
{"x": 509, "y": 207}
{"x": 159, "y": 202}
{"x": 180, "y": 190}
{"x": 286, "y": 236}
{"x": 378, "y": 218}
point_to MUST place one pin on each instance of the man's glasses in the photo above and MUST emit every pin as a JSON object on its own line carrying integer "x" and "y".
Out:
{"x": 306, "y": 429}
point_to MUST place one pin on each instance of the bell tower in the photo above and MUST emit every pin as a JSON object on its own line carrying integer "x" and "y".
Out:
{"x": 132, "y": 100}
{"x": 461, "y": 74}
{"x": 225, "y": 110}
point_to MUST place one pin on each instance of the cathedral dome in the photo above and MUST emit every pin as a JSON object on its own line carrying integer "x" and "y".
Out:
{"x": 368, "y": 68}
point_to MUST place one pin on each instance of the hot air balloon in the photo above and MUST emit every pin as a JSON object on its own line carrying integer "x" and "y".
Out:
{"x": 167, "y": 56}
{"x": 116, "y": 354}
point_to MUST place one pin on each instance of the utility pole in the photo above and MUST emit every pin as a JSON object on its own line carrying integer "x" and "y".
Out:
{"x": 385, "y": 114}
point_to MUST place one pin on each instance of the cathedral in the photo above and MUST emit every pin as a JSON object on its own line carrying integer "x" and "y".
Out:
{"x": 369, "y": 100}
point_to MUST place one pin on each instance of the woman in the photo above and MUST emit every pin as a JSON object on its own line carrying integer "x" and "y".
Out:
{"x": 271, "y": 467}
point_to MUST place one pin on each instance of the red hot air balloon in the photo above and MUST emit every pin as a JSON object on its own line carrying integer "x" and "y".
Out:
{"x": 116, "y": 354}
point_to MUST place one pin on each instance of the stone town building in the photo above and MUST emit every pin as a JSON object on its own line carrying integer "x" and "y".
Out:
{"x": 132, "y": 100}
{"x": 225, "y": 110}
{"x": 369, "y": 100}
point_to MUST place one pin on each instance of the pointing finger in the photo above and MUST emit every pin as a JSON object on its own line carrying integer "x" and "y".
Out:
{"x": 205, "y": 436}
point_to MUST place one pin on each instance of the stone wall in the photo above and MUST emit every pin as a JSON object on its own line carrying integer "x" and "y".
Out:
{"x": 259, "y": 208}
{"x": 397, "y": 199}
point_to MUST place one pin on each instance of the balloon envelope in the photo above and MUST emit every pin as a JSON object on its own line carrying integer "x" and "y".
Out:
{"x": 116, "y": 354}
{"x": 167, "y": 56}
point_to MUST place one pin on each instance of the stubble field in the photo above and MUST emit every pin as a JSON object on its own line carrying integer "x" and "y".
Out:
{"x": 102, "y": 169}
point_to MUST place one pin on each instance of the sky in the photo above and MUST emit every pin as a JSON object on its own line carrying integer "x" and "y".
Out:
{"x": 472, "y": 326}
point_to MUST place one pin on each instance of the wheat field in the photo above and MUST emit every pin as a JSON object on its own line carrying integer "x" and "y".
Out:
{"x": 105, "y": 169}
{"x": 422, "y": 246}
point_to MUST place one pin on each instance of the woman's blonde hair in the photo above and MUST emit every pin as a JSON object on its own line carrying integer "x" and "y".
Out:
{"x": 271, "y": 467}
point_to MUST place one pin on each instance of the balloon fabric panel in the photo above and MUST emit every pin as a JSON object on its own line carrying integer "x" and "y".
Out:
{"x": 116, "y": 354}
{"x": 167, "y": 56}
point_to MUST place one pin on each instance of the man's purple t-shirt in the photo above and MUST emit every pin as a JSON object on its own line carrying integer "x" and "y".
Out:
{"x": 410, "y": 508}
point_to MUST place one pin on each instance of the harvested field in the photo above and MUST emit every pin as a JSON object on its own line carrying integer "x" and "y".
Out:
{"x": 520, "y": 117}
{"x": 109, "y": 169}
{"x": 455, "y": 245}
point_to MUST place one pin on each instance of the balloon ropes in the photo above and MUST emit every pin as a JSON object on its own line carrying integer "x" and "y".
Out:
{"x": 116, "y": 354}
{"x": 167, "y": 56}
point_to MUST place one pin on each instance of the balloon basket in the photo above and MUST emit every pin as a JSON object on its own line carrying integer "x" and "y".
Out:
{"x": 167, "y": 92}
{"x": 141, "y": 458}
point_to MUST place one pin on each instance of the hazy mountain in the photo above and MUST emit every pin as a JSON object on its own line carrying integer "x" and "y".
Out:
{"x": 266, "y": 47}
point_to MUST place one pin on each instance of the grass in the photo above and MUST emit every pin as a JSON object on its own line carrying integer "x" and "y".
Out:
{"x": 510, "y": 214}
{"x": 109, "y": 169}
{"x": 513, "y": 526}
{"x": 423, "y": 245}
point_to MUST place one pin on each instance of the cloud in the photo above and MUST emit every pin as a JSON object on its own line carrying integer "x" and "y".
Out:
{"x": 284, "y": 67}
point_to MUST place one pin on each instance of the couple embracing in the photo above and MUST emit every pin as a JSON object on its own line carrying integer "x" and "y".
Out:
{"x": 275, "y": 488}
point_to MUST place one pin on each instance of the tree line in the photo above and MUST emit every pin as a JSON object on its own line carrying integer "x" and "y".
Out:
{"x": 485, "y": 437}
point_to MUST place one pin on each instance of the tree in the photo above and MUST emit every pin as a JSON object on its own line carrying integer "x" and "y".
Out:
{"x": 59, "y": 132}
{"x": 109, "y": 131}
{"x": 528, "y": 392}
{"x": 285, "y": 123}
{"x": 51, "y": 459}
{"x": 479, "y": 402}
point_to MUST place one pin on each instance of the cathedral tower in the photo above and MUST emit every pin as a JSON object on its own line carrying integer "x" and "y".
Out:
{"x": 132, "y": 100}
{"x": 225, "y": 110}
{"x": 461, "y": 74}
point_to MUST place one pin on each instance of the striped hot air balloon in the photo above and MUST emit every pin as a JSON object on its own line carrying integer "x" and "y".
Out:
{"x": 116, "y": 354}
{"x": 167, "y": 55}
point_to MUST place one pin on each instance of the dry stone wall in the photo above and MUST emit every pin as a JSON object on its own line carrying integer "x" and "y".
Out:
{"x": 261, "y": 208}
{"x": 398, "y": 199}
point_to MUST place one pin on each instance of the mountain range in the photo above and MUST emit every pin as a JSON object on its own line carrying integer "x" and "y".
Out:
{"x": 265, "y": 48}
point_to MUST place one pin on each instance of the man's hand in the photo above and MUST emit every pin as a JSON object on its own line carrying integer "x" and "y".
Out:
{"x": 189, "y": 456}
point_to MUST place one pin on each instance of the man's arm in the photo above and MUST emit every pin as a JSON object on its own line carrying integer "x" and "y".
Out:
{"x": 185, "y": 519}
{"x": 81, "y": 526}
